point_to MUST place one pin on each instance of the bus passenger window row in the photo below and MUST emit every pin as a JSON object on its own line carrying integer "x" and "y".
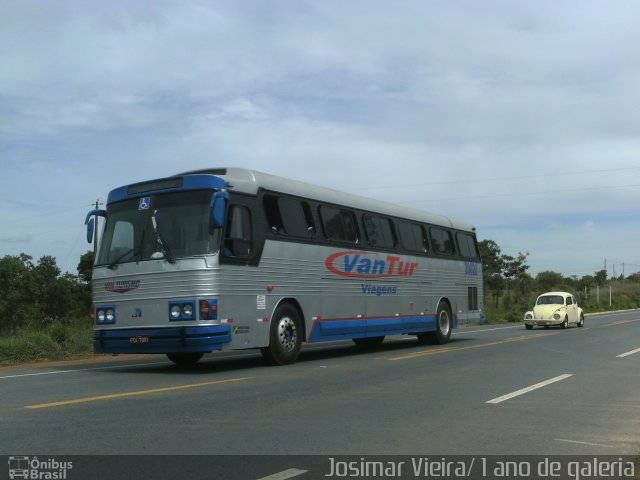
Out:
{"x": 291, "y": 216}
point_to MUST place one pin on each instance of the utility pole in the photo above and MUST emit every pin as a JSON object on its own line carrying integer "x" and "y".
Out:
{"x": 95, "y": 229}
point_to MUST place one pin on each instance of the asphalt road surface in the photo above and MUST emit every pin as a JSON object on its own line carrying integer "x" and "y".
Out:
{"x": 493, "y": 390}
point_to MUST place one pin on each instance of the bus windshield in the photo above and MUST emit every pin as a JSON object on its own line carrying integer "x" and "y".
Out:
{"x": 164, "y": 226}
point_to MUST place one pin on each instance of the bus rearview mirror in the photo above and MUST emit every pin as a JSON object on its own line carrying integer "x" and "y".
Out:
{"x": 218, "y": 208}
{"x": 90, "y": 222}
{"x": 90, "y": 227}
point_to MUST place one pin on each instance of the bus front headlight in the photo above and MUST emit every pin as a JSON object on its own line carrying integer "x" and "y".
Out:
{"x": 105, "y": 314}
{"x": 182, "y": 310}
{"x": 175, "y": 312}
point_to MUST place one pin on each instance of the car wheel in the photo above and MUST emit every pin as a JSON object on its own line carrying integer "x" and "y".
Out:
{"x": 581, "y": 322}
{"x": 529, "y": 327}
{"x": 285, "y": 336}
{"x": 565, "y": 324}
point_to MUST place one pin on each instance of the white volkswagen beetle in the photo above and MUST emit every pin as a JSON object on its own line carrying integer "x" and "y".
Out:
{"x": 555, "y": 308}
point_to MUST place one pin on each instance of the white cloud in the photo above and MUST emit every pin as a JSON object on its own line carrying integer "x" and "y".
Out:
{"x": 534, "y": 101}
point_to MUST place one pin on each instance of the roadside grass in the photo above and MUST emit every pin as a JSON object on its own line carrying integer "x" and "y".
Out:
{"x": 622, "y": 296}
{"x": 57, "y": 341}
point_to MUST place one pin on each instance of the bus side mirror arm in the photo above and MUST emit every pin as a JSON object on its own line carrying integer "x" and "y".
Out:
{"x": 218, "y": 209}
{"x": 90, "y": 222}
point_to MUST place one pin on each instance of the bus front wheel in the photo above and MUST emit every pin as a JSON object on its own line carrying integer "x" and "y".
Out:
{"x": 185, "y": 360}
{"x": 285, "y": 336}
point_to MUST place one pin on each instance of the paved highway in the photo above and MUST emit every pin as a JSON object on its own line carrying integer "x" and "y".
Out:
{"x": 499, "y": 390}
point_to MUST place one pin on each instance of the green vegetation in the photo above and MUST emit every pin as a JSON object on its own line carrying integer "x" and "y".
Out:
{"x": 55, "y": 341}
{"x": 44, "y": 314}
{"x": 510, "y": 291}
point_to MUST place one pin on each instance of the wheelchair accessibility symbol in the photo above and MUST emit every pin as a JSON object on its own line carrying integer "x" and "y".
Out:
{"x": 144, "y": 203}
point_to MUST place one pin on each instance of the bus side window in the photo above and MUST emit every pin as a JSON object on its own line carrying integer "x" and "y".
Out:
{"x": 274, "y": 216}
{"x": 441, "y": 241}
{"x": 238, "y": 236}
{"x": 467, "y": 245}
{"x": 308, "y": 215}
{"x": 339, "y": 224}
{"x": 289, "y": 216}
{"x": 413, "y": 237}
{"x": 379, "y": 231}
{"x": 296, "y": 217}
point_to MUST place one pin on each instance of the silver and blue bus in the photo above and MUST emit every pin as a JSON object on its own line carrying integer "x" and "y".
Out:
{"x": 230, "y": 258}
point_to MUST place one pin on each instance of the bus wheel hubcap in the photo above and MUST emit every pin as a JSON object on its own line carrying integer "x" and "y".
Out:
{"x": 443, "y": 323}
{"x": 287, "y": 333}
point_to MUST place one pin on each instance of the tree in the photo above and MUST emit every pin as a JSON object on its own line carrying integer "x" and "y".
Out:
{"x": 85, "y": 266}
{"x": 35, "y": 294}
{"x": 549, "y": 280}
{"x": 515, "y": 271}
{"x": 492, "y": 268}
{"x": 45, "y": 275}
{"x": 503, "y": 271}
{"x": 17, "y": 303}
{"x": 601, "y": 278}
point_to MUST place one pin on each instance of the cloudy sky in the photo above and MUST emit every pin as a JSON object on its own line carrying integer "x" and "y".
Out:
{"x": 522, "y": 117}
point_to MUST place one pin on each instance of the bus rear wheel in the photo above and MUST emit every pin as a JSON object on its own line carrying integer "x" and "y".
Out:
{"x": 442, "y": 332}
{"x": 185, "y": 359}
{"x": 285, "y": 336}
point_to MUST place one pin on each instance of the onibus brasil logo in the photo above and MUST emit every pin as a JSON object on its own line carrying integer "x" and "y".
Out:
{"x": 33, "y": 468}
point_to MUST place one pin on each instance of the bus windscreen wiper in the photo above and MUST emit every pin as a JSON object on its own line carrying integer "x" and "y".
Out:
{"x": 164, "y": 246}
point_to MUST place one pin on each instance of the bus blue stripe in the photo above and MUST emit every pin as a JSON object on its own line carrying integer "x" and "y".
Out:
{"x": 342, "y": 329}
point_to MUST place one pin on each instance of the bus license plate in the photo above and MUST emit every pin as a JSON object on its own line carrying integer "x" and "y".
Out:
{"x": 139, "y": 339}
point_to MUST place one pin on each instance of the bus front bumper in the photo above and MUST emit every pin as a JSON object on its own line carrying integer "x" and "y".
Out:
{"x": 161, "y": 340}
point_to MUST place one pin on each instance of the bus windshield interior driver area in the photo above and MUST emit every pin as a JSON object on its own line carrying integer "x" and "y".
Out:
{"x": 176, "y": 227}
{"x": 235, "y": 259}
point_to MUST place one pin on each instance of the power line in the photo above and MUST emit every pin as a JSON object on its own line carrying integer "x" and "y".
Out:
{"x": 522, "y": 194}
{"x": 499, "y": 179}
